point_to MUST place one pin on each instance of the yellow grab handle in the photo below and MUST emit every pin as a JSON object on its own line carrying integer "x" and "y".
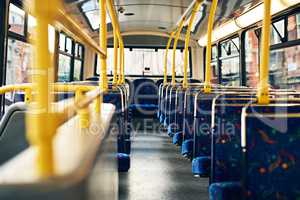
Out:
{"x": 207, "y": 84}
{"x": 187, "y": 41}
{"x": 174, "y": 50}
{"x": 263, "y": 87}
{"x": 166, "y": 58}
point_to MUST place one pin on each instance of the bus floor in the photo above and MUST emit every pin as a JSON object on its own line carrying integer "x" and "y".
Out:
{"x": 159, "y": 172}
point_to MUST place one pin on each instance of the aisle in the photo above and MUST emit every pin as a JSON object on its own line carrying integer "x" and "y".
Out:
{"x": 158, "y": 172}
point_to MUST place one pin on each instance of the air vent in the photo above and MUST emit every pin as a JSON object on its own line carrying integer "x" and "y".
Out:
{"x": 162, "y": 28}
{"x": 129, "y": 14}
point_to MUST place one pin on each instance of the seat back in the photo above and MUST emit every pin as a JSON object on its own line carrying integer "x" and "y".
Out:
{"x": 188, "y": 114}
{"x": 171, "y": 107}
{"x": 179, "y": 109}
{"x": 226, "y": 129}
{"x": 12, "y": 132}
{"x": 270, "y": 142}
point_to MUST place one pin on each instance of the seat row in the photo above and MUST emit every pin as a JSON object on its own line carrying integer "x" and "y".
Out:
{"x": 248, "y": 151}
{"x": 116, "y": 95}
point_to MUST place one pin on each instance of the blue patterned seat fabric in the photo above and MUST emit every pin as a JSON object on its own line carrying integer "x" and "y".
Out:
{"x": 115, "y": 97}
{"x": 166, "y": 105}
{"x": 176, "y": 124}
{"x": 225, "y": 191}
{"x": 202, "y": 124}
{"x": 172, "y": 109}
{"x": 162, "y": 104}
{"x": 272, "y": 156}
{"x": 188, "y": 114}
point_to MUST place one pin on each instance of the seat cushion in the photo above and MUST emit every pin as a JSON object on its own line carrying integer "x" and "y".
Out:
{"x": 201, "y": 166}
{"x": 123, "y": 162}
{"x": 177, "y": 138}
{"x": 187, "y": 148}
{"x": 225, "y": 191}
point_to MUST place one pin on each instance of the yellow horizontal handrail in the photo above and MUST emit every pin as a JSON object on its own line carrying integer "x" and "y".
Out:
{"x": 27, "y": 88}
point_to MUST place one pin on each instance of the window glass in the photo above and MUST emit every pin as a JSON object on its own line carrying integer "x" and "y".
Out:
{"x": 16, "y": 19}
{"x": 64, "y": 68}
{"x": 294, "y": 27}
{"x": 277, "y": 32}
{"x": 214, "y": 53}
{"x": 90, "y": 9}
{"x": 69, "y": 45}
{"x": 230, "y": 62}
{"x": 31, "y": 26}
{"x": 214, "y": 72}
{"x": 18, "y": 62}
{"x": 147, "y": 62}
{"x": 62, "y": 42}
{"x": 77, "y": 70}
{"x": 285, "y": 68}
{"x": 252, "y": 58}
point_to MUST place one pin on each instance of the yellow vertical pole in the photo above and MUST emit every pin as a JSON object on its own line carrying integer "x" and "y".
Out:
{"x": 123, "y": 65}
{"x": 187, "y": 41}
{"x": 116, "y": 45}
{"x": 207, "y": 84}
{"x": 84, "y": 116}
{"x": 40, "y": 126}
{"x": 174, "y": 50}
{"x": 103, "y": 45}
{"x": 28, "y": 95}
{"x": 166, "y": 58}
{"x": 263, "y": 87}
{"x": 120, "y": 63}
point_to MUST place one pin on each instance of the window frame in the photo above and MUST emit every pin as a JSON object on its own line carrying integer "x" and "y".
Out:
{"x": 71, "y": 55}
{"x": 148, "y": 47}
{"x": 286, "y": 44}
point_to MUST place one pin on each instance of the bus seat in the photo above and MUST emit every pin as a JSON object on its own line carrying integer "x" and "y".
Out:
{"x": 202, "y": 134}
{"x": 123, "y": 162}
{"x": 225, "y": 191}
{"x": 201, "y": 166}
{"x": 175, "y": 125}
{"x": 12, "y": 132}
{"x": 187, "y": 148}
{"x": 170, "y": 115}
{"x": 145, "y": 97}
{"x": 271, "y": 151}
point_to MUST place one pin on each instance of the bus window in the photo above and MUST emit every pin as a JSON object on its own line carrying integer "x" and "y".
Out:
{"x": 16, "y": 20}
{"x": 77, "y": 74}
{"x": 18, "y": 62}
{"x": 294, "y": 27}
{"x": 214, "y": 65}
{"x": 230, "y": 62}
{"x": 64, "y": 68}
{"x": 285, "y": 67}
{"x": 70, "y": 63}
{"x": 285, "y": 61}
{"x": 145, "y": 62}
{"x": 278, "y": 32}
{"x": 31, "y": 26}
{"x": 252, "y": 58}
